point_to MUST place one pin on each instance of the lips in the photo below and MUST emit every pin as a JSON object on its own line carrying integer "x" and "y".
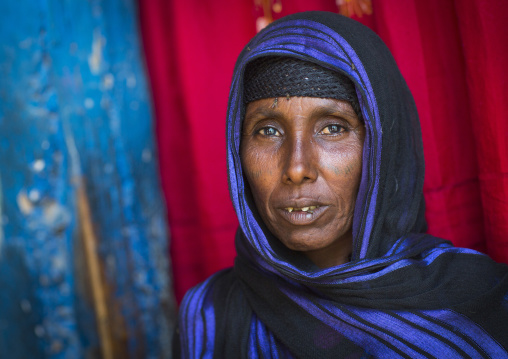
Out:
{"x": 302, "y": 212}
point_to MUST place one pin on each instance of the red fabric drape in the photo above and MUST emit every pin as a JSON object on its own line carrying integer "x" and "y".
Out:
{"x": 450, "y": 52}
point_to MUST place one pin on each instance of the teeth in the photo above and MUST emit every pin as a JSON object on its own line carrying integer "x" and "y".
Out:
{"x": 308, "y": 209}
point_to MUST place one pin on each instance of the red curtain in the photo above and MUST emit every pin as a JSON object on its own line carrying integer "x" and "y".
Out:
{"x": 453, "y": 55}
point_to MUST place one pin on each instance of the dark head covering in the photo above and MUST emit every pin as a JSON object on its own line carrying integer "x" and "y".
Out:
{"x": 282, "y": 76}
{"x": 404, "y": 293}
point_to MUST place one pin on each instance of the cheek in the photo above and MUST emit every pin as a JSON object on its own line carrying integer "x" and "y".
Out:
{"x": 343, "y": 168}
{"x": 258, "y": 168}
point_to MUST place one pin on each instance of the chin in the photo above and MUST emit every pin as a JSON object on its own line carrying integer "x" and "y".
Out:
{"x": 304, "y": 242}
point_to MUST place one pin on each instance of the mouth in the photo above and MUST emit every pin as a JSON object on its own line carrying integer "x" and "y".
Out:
{"x": 309, "y": 209}
{"x": 302, "y": 215}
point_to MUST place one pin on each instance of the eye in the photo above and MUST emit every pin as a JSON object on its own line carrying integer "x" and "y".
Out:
{"x": 269, "y": 131}
{"x": 333, "y": 130}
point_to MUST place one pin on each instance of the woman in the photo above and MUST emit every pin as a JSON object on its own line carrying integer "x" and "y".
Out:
{"x": 326, "y": 173}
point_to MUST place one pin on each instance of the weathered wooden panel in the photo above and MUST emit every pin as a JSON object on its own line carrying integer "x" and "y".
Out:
{"x": 75, "y": 115}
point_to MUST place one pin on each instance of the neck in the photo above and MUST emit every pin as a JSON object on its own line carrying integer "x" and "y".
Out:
{"x": 339, "y": 252}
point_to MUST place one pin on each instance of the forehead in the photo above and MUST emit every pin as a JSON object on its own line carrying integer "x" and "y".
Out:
{"x": 297, "y": 106}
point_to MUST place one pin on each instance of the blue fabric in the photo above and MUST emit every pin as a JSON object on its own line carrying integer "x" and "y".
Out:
{"x": 76, "y": 115}
{"x": 404, "y": 294}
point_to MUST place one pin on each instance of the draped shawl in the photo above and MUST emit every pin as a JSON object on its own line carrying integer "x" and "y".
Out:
{"x": 404, "y": 294}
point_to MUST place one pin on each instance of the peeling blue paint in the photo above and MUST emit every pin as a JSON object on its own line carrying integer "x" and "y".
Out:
{"x": 72, "y": 71}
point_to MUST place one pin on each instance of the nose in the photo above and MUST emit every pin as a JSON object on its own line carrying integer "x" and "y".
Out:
{"x": 300, "y": 164}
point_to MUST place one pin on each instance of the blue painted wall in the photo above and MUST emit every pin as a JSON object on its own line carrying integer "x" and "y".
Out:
{"x": 74, "y": 108}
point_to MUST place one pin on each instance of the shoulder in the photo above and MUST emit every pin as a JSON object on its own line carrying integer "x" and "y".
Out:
{"x": 202, "y": 294}
{"x": 197, "y": 310}
{"x": 197, "y": 315}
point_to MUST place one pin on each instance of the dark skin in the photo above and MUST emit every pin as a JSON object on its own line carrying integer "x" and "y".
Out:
{"x": 302, "y": 157}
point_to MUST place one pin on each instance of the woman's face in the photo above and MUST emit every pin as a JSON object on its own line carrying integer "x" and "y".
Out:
{"x": 302, "y": 157}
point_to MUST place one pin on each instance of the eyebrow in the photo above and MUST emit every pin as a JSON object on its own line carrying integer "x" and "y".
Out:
{"x": 326, "y": 110}
{"x": 264, "y": 112}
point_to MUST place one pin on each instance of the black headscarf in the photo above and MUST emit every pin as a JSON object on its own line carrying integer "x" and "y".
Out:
{"x": 403, "y": 294}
